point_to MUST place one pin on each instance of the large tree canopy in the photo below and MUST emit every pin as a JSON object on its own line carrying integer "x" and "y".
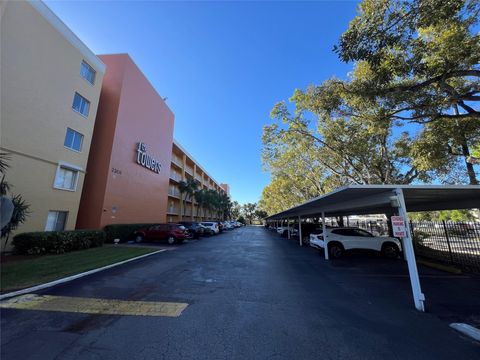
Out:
{"x": 330, "y": 139}
{"x": 414, "y": 61}
{"x": 423, "y": 56}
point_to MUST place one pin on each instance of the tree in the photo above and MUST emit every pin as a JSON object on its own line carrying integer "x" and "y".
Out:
{"x": 447, "y": 215}
{"x": 445, "y": 146}
{"x": 330, "y": 139}
{"x": 249, "y": 211}
{"x": 420, "y": 59}
{"x": 423, "y": 56}
{"x": 235, "y": 210}
{"x": 187, "y": 190}
{"x": 260, "y": 214}
{"x": 225, "y": 206}
{"x": 20, "y": 206}
{"x": 201, "y": 198}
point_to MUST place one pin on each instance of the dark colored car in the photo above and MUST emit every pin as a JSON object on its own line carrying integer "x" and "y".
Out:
{"x": 173, "y": 233}
{"x": 307, "y": 229}
{"x": 194, "y": 228}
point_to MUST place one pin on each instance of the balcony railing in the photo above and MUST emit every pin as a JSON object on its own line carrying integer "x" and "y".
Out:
{"x": 173, "y": 210}
{"x": 174, "y": 192}
{"x": 175, "y": 176}
{"x": 189, "y": 170}
{"x": 176, "y": 160}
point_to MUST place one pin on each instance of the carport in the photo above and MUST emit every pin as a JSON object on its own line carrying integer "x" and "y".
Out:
{"x": 389, "y": 200}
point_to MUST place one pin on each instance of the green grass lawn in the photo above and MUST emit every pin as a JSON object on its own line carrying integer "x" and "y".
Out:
{"x": 29, "y": 272}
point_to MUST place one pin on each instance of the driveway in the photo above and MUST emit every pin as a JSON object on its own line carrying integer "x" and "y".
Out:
{"x": 250, "y": 295}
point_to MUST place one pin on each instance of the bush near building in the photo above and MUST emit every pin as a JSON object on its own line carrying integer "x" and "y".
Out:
{"x": 56, "y": 242}
{"x": 123, "y": 232}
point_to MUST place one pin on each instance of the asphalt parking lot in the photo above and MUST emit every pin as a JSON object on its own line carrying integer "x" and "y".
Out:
{"x": 250, "y": 294}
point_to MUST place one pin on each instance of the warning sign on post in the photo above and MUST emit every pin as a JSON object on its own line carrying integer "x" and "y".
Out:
{"x": 398, "y": 225}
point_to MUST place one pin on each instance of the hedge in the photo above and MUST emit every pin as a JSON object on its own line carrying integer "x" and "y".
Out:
{"x": 123, "y": 232}
{"x": 56, "y": 242}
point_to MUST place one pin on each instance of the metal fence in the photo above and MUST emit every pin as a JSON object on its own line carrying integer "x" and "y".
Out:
{"x": 456, "y": 243}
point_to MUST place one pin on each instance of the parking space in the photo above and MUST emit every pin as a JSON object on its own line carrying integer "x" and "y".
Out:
{"x": 251, "y": 295}
{"x": 450, "y": 297}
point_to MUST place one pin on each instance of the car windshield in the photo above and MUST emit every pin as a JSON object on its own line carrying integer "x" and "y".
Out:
{"x": 181, "y": 227}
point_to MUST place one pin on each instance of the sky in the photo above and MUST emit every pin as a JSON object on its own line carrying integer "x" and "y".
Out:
{"x": 222, "y": 66}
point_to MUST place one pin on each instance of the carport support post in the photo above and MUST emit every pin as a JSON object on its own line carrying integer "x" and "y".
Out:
{"x": 418, "y": 296}
{"x": 325, "y": 239}
{"x": 300, "y": 230}
{"x": 288, "y": 228}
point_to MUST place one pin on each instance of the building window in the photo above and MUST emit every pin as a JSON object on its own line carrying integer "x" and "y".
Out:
{"x": 81, "y": 105}
{"x": 56, "y": 220}
{"x": 73, "y": 140}
{"x": 87, "y": 72}
{"x": 66, "y": 178}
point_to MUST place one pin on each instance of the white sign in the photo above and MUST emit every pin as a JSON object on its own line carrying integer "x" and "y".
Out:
{"x": 398, "y": 225}
{"x": 146, "y": 160}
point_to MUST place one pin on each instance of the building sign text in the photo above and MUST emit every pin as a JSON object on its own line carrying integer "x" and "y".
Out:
{"x": 146, "y": 160}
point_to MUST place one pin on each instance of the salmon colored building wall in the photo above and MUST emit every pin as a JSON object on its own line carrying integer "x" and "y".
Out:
{"x": 117, "y": 189}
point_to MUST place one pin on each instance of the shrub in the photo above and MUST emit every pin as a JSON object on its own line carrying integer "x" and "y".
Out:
{"x": 123, "y": 232}
{"x": 56, "y": 242}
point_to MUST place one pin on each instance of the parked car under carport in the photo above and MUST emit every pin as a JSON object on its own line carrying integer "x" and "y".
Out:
{"x": 390, "y": 200}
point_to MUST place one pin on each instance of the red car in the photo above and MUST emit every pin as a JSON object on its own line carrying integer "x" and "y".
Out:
{"x": 173, "y": 233}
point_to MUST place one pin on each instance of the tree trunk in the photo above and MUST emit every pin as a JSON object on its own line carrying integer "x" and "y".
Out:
{"x": 191, "y": 213}
{"x": 470, "y": 170}
{"x": 466, "y": 153}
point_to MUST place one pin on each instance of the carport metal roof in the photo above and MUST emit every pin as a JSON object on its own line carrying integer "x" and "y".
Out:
{"x": 388, "y": 199}
{"x": 376, "y": 199}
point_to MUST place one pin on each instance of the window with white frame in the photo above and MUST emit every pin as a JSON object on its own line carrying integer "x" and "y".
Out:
{"x": 73, "y": 140}
{"x": 66, "y": 178}
{"x": 87, "y": 72}
{"x": 80, "y": 104}
{"x": 56, "y": 220}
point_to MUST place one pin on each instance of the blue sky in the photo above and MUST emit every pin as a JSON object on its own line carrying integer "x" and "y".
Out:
{"x": 222, "y": 65}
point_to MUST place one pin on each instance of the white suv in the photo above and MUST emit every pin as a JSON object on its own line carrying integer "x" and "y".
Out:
{"x": 346, "y": 238}
{"x": 213, "y": 226}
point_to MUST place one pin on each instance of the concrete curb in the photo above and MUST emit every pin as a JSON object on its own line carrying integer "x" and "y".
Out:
{"x": 73, "y": 277}
{"x": 467, "y": 330}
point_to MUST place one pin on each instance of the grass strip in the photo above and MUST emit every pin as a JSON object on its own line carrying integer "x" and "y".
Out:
{"x": 24, "y": 273}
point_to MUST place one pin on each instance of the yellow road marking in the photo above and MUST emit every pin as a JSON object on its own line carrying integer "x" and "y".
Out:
{"x": 94, "y": 306}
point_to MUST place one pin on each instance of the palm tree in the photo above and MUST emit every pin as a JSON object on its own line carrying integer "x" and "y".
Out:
{"x": 187, "y": 190}
{"x": 183, "y": 188}
{"x": 210, "y": 200}
{"x": 225, "y": 206}
{"x": 20, "y": 206}
{"x": 192, "y": 188}
{"x": 200, "y": 197}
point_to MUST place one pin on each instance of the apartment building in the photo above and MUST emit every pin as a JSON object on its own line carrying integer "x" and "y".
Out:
{"x": 128, "y": 167}
{"x": 89, "y": 140}
{"x": 50, "y": 88}
{"x": 135, "y": 166}
{"x": 183, "y": 167}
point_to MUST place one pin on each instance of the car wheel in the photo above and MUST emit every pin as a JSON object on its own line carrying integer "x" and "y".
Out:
{"x": 335, "y": 251}
{"x": 171, "y": 240}
{"x": 390, "y": 251}
{"x": 139, "y": 238}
